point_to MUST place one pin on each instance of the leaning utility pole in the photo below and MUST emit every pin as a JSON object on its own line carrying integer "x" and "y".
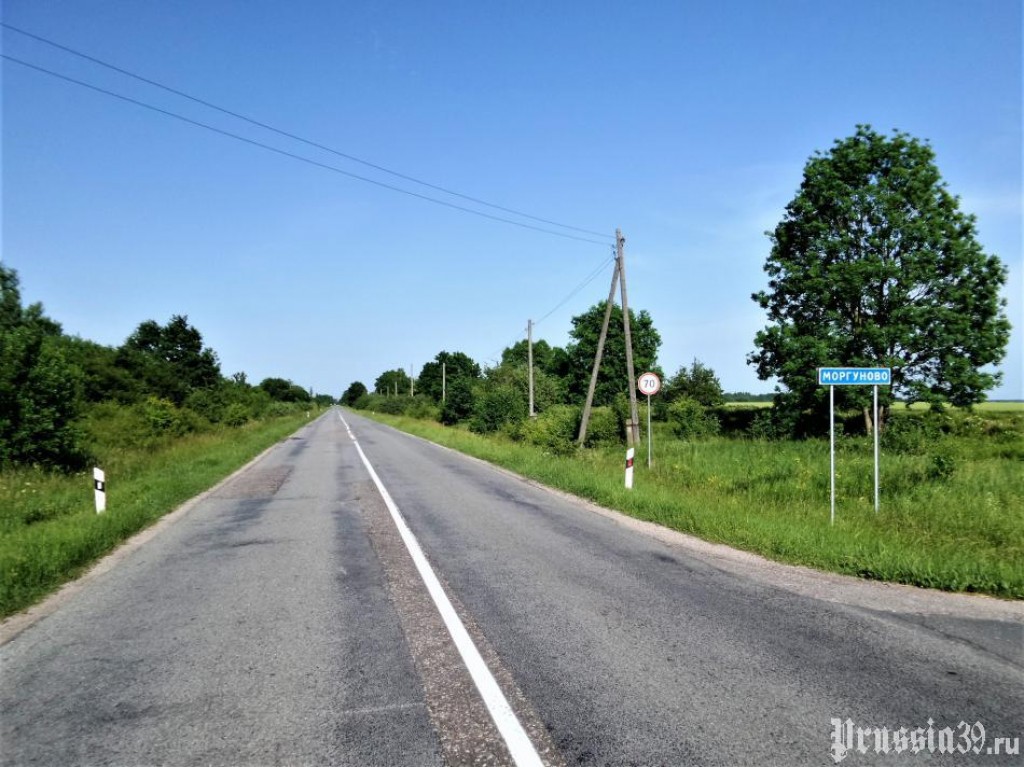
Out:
{"x": 633, "y": 437}
{"x": 600, "y": 351}
{"x": 529, "y": 359}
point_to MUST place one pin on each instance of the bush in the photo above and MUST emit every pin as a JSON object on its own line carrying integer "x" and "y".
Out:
{"x": 459, "y": 402}
{"x": 912, "y": 433}
{"x": 605, "y": 428}
{"x": 236, "y": 415}
{"x": 497, "y": 406}
{"x": 739, "y": 420}
{"x": 942, "y": 465}
{"x": 690, "y": 419}
{"x": 555, "y": 429}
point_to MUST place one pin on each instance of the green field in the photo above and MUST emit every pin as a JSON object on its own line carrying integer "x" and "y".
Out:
{"x": 952, "y": 503}
{"x": 50, "y": 531}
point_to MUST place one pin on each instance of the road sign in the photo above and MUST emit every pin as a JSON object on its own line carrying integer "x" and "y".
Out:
{"x": 833, "y": 377}
{"x": 854, "y": 376}
{"x": 649, "y": 384}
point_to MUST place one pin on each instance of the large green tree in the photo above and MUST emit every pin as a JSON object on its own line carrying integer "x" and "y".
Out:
{"x": 457, "y": 365}
{"x": 283, "y": 390}
{"x": 172, "y": 359}
{"x": 355, "y": 390}
{"x": 612, "y": 378}
{"x": 697, "y": 382}
{"x": 874, "y": 264}
{"x": 40, "y": 391}
{"x": 392, "y": 382}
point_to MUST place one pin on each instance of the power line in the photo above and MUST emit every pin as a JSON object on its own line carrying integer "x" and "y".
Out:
{"x": 293, "y": 136}
{"x": 587, "y": 280}
{"x": 294, "y": 156}
{"x": 590, "y": 278}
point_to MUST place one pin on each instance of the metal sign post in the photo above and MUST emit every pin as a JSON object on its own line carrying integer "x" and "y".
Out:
{"x": 649, "y": 384}
{"x": 833, "y": 377}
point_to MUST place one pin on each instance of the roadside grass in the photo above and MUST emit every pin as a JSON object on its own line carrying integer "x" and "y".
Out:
{"x": 952, "y": 512}
{"x": 50, "y": 531}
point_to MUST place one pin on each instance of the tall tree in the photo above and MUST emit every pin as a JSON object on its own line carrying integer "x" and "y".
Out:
{"x": 171, "y": 359}
{"x": 392, "y": 382}
{"x": 355, "y": 390}
{"x": 874, "y": 264}
{"x": 456, "y": 365}
{"x": 698, "y": 383}
{"x": 612, "y": 378}
{"x": 283, "y": 390}
{"x": 40, "y": 391}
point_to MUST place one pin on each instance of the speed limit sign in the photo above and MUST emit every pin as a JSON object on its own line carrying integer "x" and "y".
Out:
{"x": 649, "y": 384}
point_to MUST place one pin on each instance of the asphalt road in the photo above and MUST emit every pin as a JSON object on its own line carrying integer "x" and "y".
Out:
{"x": 282, "y": 621}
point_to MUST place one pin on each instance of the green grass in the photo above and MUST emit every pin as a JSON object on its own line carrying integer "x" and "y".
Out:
{"x": 50, "y": 531}
{"x": 994, "y": 406}
{"x": 952, "y": 512}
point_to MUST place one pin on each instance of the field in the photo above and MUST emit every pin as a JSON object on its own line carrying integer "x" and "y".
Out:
{"x": 952, "y": 498}
{"x": 50, "y": 531}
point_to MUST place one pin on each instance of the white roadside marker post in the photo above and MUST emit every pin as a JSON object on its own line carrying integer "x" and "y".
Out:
{"x": 99, "y": 483}
{"x": 629, "y": 467}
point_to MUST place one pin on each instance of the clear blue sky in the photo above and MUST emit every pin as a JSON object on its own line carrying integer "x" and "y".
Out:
{"x": 687, "y": 124}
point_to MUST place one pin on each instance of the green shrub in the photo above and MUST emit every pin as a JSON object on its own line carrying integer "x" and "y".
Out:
{"x": 913, "y": 433}
{"x": 236, "y": 415}
{"x": 497, "y": 406}
{"x": 423, "y": 408}
{"x": 605, "y": 428}
{"x": 942, "y": 465}
{"x": 554, "y": 430}
{"x": 690, "y": 419}
{"x": 459, "y": 402}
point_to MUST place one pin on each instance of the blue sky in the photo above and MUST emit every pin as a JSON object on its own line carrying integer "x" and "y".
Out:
{"x": 686, "y": 124}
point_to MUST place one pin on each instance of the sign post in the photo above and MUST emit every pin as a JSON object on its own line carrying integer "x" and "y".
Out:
{"x": 833, "y": 377}
{"x": 649, "y": 384}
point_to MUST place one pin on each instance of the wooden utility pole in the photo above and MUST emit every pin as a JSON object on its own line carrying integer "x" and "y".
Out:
{"x": 600, "y": 351}
{"x": 529, "y": 359}
{"x": 633, "y": 435}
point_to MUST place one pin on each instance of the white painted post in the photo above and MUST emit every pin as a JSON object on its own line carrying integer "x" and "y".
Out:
{"x": 832, "y": 451}
{"x": 629, "y": 467}
{"x": 877, "y": 430}
{"x": 99, "y": 483}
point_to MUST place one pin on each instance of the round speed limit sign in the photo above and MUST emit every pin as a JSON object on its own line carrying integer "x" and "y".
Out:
{"x": 649, "y": 384}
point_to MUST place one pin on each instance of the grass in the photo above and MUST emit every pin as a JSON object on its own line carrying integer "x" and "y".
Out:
{"x": 50, "y": 531}
{"x": 952, "y": 508}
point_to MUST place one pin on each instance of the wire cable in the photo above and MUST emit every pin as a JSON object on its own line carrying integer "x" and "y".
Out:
{"x": 293, "y": 136}
{"x": 590, "y": 278}
{"x": 294, "y": 156}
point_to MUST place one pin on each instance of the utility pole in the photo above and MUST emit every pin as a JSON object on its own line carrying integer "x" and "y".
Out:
{"x": 444, "y": 384}
{"x": 600, "y": 351}
{"x": 634, "y": 416}
{"x": 529, "y": 359}
{"x": 412, "y": 386}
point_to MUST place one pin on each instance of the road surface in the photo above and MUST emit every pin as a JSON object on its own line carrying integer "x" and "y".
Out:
{"x": 282, "y": 620}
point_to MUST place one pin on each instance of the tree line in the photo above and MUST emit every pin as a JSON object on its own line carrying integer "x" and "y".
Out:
{"x": 162, "y": 381}
{"x": 873, "y": 265}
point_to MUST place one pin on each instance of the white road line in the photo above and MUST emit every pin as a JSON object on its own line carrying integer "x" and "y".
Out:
{"x": 518, "y": 742}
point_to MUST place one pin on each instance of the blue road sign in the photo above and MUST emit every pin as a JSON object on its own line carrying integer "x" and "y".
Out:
{"x": 854, "y": 376}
